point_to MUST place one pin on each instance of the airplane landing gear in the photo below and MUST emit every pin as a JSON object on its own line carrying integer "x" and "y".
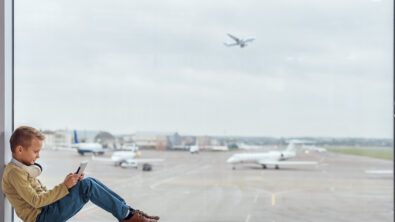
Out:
{"x": 276, "y": 167}
{"x": 264, "y": 166}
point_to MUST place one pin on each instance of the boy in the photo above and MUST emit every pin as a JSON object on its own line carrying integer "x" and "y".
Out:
{"x": 34, "y": 203}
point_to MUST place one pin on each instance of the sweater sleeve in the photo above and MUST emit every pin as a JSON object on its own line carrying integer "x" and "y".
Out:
{"x": 25, "y": 190}
{"x": 42, "y": 186}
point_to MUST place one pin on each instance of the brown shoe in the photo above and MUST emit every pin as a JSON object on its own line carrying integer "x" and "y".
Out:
{"x": 146, "y": 215}
{"x": 138, "y": 218}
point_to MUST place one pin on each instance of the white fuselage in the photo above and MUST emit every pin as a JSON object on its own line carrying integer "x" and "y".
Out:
{"x": 260, "y": 157}
{"x": 121, "y": 156}
{"x": 88, "y": 147}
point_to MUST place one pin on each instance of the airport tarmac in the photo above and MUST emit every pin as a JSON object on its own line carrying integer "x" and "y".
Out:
{"x": 203, "y": 187}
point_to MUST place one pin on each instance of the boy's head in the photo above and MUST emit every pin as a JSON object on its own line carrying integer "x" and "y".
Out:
{"x": 26, "y": 143}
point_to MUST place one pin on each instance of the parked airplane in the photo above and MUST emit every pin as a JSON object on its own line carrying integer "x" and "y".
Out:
{"x": 275, "y": 158}
{"x": 218, "y": 148}
{"x": 126, "y": 159}
{"x": 82, "y": 148}
{"x": 248, "y": 147}
{"x": 241, "y": 42}
{"x": 120, "y": 156}
{"x": 195, "y": 148}
{"x": 314, "y": 148}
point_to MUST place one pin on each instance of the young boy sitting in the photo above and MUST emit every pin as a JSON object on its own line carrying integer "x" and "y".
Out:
{"x": 34, "y": 203}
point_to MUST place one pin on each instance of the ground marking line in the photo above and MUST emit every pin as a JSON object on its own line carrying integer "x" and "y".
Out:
{"x": 248, "y": 218}
{"x": 273, "y": 199}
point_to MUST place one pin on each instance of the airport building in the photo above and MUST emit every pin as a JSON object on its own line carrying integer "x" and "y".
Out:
{"x": 57, "y": 138}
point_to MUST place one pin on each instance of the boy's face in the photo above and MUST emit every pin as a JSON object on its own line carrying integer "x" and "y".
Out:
{"x": 30, "y": 154}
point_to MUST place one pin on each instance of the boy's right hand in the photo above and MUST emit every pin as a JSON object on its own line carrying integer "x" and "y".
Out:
{"x": 71, "y": 180}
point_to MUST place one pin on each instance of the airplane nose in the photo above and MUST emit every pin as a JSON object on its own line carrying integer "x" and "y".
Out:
{"x": 230, "y": 160}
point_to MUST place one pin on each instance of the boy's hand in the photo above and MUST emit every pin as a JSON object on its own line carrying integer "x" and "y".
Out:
{"x": 81, "y": 177}
{"x": 71, "y": 180}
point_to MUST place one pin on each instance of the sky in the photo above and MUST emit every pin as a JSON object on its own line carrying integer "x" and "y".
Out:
{"x": 316, "y": 68}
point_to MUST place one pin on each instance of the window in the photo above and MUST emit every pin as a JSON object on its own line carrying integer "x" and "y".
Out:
{"x": 168, "y": 78}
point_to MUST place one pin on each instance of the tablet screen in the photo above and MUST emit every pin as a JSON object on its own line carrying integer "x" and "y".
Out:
{"x": 81, "y": 168}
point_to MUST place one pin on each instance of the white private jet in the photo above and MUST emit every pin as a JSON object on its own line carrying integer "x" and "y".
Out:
{"x": 275, "y": 158}
{"x": 82, "y": 148}
{"x": 241, "y": 42}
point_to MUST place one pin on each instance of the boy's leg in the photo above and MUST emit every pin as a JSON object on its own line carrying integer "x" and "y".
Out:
{"x": 120, "y": 198}
{"x": 85, "y": 190}
{"x": 108, "y": 189}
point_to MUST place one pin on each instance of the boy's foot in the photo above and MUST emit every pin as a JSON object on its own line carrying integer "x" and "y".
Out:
{"x": 146, "y": 215}
{"x": 138, "y": 218}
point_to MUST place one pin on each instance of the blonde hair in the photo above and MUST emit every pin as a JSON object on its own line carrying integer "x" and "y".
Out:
{"x": 23, "y": 136}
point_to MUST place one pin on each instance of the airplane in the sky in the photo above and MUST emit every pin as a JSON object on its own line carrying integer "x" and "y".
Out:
{"x": 275, "y": 158}
{"x": 241, "y": 42}
{"x": 82, "y": 148}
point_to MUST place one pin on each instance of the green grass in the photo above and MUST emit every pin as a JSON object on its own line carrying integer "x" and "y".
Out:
{"x": 375, "y": 152}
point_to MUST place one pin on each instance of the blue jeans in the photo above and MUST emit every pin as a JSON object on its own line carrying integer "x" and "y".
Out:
{"x": 85, "y": 190}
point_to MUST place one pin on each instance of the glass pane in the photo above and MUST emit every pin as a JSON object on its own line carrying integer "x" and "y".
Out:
{"x": 243, "y": 111}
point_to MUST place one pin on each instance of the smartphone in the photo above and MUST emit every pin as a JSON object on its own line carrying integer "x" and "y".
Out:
{"x": 81, "y": 168}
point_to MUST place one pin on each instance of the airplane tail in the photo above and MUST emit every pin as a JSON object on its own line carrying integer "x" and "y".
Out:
{"x": 290, "y": 147}
{"x": 75, "y": 137}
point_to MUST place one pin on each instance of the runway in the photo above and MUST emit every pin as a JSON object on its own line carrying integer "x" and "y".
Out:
{"x": 204, "y": 187}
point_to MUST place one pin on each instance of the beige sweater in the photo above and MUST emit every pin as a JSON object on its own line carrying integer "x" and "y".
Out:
{"x": 26, "y": 194}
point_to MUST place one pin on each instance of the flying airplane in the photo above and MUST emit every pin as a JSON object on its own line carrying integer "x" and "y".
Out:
{"x": 82, "y": 148}
{"x": 241, "y": 42}
{"x": 275, "y": 158}
{"x": 126, "y": 159}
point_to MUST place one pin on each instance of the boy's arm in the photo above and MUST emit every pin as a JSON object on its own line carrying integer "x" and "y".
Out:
{"x": 25, "y": 190}
{"x": 42, "y": 185}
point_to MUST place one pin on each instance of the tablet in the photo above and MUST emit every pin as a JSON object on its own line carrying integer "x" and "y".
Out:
{"x": 81, "y": 168}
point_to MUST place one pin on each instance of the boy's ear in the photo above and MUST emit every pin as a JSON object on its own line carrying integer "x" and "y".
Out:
{"x": 18, "y": 149}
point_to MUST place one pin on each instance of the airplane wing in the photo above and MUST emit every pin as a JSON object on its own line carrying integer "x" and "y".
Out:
{"x": 249, "y": 39}
{"x": 288, "y": 162}
{"x": 234, "y": 38}
{"x": 102, "y": 159}
{"x": 137, "y": 160}
{"x": 230, "y": 44}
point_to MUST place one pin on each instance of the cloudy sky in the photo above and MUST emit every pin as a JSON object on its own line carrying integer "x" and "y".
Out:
{"x": 316, "y": 68}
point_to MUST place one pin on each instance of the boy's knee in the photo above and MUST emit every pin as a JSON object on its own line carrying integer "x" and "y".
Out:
{"x": 85, "y": 183}
{"x": 85, "y": 186}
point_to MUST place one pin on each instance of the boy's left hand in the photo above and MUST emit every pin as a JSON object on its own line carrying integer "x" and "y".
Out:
{"x": 81, "y": 177}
